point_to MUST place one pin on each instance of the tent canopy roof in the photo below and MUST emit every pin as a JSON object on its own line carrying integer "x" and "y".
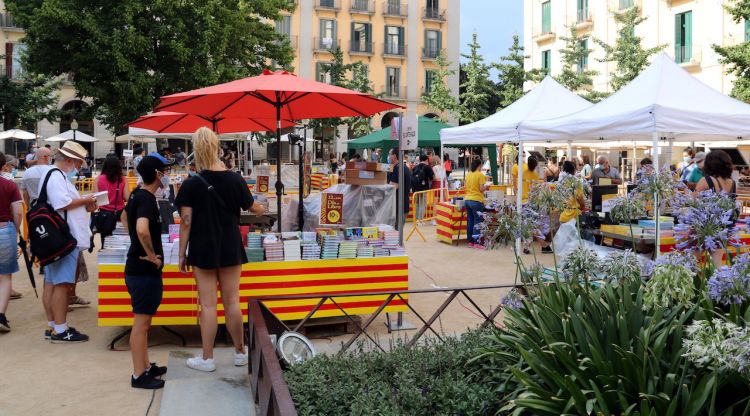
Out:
{"x": 68, "y": 135}
{"x": 428, "y": 135}
{"x": 547, "y": 100}
{"x": 663, "y": 99}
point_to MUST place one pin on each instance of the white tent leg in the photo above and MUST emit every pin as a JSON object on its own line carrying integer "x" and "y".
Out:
{"x": 519, "y": 189}
{"x": 445, "y": 177}
{"x": 570, "y": 150}
{"x": 657, "y": 242}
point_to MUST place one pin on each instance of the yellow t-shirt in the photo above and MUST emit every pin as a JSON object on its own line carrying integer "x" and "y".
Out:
{"x": 529, "y": 177}
{"x": 474, "y": 182}
{"x": 572, "y": 209}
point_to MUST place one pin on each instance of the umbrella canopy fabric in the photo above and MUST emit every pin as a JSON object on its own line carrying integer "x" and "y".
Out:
{"x": 663, "y": 99}
{"x": 17, "y": 134}
{"x": 68, "y": 135}
{"x": 171, "y": 122}
{"x": 428, "y": 135}
{"x": 547, "y": 100}
{"x": 258, "y": 97}
{"x": 279, "y": 96}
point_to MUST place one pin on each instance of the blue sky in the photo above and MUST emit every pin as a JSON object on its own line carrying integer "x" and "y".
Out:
{"x": 495, "y": 21}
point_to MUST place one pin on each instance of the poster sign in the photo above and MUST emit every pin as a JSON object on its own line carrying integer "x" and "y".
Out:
{"x": 127, "y": 153}
{"x": 263, "y": 184}
{"x": 408, "y": 133}
{"x": 331, "y": 209}
{"x": 608, "y": 201}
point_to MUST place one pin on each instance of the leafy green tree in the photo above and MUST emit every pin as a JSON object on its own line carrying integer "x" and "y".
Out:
{"x": 511, "y": 74}
{"x": 477, "y": 87}
{"x": 125, "y": 54}
{"x": 627, "y": 53}
{"x": 738, "y": 57}
{"x": 336, "y": 72}
{"x": 574, "y": 76}
{"x": 440, "y": 98}
{"x": 360, "y": 126}
{"x": 27, "y": 100}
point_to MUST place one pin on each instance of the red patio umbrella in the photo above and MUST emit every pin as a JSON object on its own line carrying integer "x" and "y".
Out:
{"x": 277, "y": 95}
{"x": 170, "y": 122}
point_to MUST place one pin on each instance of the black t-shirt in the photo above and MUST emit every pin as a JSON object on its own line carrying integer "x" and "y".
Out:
{"x": 424, "y": 175}
{"x": 393, "y": 177}
{"x": 142, "y": 204}
{"x": 215, "y": 239}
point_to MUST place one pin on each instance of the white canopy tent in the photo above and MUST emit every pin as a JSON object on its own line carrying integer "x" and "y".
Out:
{"x": 664, "y": 101}
{"x": 72, "y": 135}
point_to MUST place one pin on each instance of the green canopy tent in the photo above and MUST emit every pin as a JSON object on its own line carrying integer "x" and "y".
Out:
{"x": 428, "y": 136}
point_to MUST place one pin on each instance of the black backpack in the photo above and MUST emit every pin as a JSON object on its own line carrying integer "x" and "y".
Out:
{"x": 418, "y": 178}
{"x": 49, "y": 233}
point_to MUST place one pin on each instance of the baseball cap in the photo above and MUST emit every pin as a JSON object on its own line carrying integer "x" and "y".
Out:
{"x": 151, "y": 163}
{"x": 163, "y": 159}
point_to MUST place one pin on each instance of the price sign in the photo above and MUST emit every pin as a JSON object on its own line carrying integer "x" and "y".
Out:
{"x": 331, "y": 209}
{"x": 262, "y": 184}
{"x": 127, "y": 153}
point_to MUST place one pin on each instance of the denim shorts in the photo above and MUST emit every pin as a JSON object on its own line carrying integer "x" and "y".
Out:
{"x": 8, "y": 249}
{"x": 145, "y": 293}
{"x": 63, "y": 270}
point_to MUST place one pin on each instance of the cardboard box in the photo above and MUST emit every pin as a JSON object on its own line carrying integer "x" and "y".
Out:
{"x": 364, "y": 177}
{"x": 369, "y": 166}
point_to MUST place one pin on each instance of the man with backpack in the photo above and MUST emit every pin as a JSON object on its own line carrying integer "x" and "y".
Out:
{"x": 57, "y": 192}
{"x": 422, "y": 175}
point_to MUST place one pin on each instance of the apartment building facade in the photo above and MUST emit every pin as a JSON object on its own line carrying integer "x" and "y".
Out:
{"x": 687, "y": 28}
{"x": 397, "y": 41}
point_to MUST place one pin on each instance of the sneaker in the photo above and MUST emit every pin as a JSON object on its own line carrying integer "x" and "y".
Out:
{"x": 546, "y": 249}
{"x": 4, "y": 324}
{"x": 156, "y": 371}
{"x": 198, "y": 363}
{"x": 240, "y": 359}
{"x": 526, "y": 251}
{"x": 48, "y": 333}
{"x": 68, "y": 337}
{"x": 146, "y": 381}
{"x": 478, "y": 247}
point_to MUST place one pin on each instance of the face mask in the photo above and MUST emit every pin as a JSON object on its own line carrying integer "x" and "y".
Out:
{"x": 73, "y": 174}
{"x": 686, "y": 159}
{"x": 14, "y": 172}
{"x": 598, "y": 166}
{"x": 191, "y": 173}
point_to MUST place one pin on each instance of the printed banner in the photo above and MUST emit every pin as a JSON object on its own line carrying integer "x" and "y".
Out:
{"x": 263, "y": 184}
{"x": 331, "y": 209}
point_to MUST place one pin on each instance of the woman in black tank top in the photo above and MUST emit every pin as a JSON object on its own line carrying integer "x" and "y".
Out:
{"x": 717, "y": 174}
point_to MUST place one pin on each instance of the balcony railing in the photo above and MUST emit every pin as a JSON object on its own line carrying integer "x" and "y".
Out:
{"x": 689, "y": 57}
{"x": 358, "y": 47}
{"x": 327, "y": 4}
{"x": 325, "y": 44}
{"x": 430, "y": 52}
{"x": 618, "y": 6}
{"x": 362, "y": 6}
{"x": 433, "y": 13}
{"x": 394, "y": 92}
{"x": 584, "y": 19}
{"x": 7, "y": 21}
{"x": 394, "y": 9}
{"x": 541, "y": 36}
{"x": 394, "y": 49}
{"x": 292, "y": 40}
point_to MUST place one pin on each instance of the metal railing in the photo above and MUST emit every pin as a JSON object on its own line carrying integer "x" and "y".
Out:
{"x": 328, "y": 4}
{"x": 433, "y": 13}
{"x": 292, "y": 40}
{"x": 325, "y": 44}
{"x": 394, "y": 49}
{"x": 430, "y": 52}
{"x": 424, "y": 209}
{"x": 394, "y": 9}
{"x": 362, "y": 6}
{"x": 394, "y": 93}
{"x": 361, "y": 47}
{"x": 6, "y": 20}
{"x": 267, "y": 386}
{"x": 583, "y": 16}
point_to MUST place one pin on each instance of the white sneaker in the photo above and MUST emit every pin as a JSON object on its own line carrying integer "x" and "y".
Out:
{"x": 198, "y": 363}
{"x": 240, "y": 359}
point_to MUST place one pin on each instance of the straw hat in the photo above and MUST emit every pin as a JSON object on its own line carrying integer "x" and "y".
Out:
{"x": 73, "y": 150}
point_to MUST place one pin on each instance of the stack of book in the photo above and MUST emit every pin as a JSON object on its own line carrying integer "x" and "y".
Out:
{"x": 348, "y": 250}
{"x": 330, "y": 246}
{"x": 292, "y": 250}
{"x": 310, "y": 250}
{"x": 274, "y": 249}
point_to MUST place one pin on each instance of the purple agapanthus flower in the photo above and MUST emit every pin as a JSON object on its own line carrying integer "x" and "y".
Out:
{"x": 674, "y": 258}
{"x": 731, "y": 285}
{"x": 513, "y": 300}
{"x": 705, "y": 222}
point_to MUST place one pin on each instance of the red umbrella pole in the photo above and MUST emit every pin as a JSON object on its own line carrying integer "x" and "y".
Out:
{"x": 279, "y": 185}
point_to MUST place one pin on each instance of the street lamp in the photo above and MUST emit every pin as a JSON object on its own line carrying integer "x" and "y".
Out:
{"x": 74, "y": 127}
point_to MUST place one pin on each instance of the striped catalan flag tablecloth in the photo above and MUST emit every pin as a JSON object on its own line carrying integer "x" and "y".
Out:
{"x": 180, "y": 304}
{"x": 450, "y": 222}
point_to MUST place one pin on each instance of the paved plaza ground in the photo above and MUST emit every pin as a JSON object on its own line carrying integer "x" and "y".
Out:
{"x": 88, "y": 379}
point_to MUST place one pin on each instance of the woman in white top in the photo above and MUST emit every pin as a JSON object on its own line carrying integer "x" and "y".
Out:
{"x": 438, "y": 181}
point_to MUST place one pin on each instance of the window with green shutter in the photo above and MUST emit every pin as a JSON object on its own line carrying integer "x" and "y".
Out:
{"x": 625, "y": 4}
{"x": 583, "y": 10}
{"x": 361, "y": 37}
{"x": 583, "y": 61}
{"x": 747, "y": 30}
{"x": 429, "y": 79}
{"x": 394, "y": 40}
{"x": 547, "y": 17}
{"x": 546, "y": 61}
{"x": 683, "y": 37}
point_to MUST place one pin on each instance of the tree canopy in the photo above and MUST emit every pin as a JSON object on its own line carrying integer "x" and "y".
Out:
{"x": 476, "y": 88}
{"x": 738, "y": 57}
{"x": 27, "y": 100}
{"x": 628, "y": 54}
{"x": 575, "y": 75}
{"x": 512, "y": 75}
{"x": 440, "y": 98}
{"x": 125, "y": 54}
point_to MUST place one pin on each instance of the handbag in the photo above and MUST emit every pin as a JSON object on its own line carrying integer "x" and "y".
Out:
{"x": 105, "y": 222}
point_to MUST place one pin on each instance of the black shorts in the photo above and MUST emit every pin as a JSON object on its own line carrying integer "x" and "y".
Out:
{"x": 145, "y": 293}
